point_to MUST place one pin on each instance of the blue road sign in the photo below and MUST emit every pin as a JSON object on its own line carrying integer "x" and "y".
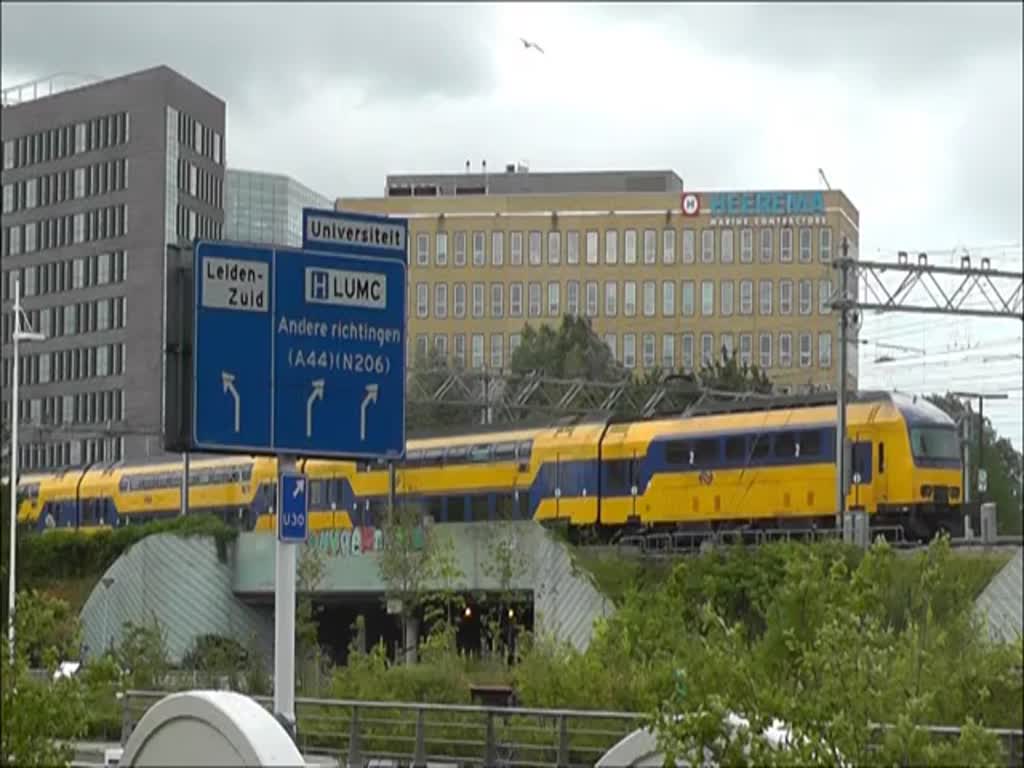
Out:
{"x": 355, "y": 233}
{"x": 298, "y": 351}
{"x": 292, "y": 507}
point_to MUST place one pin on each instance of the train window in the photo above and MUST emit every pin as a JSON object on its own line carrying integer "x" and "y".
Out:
{"x": 412, "y": 459}
{"x": 810, "y": 443}
{"x": 524, "y": 449}
{"x": 735, "y": 448}
{"x": 504, "y": 452}
{"x": 881, "y": 457}
{"x": 316, "y": 489}
{"x": 435, "y": 507}
{"x": 480, "y": 453}
{"x": 480, "y": 508}
{"x": 760, "y": 446}
{"x": 678, "y": 452}
{"x": 433, "y": 456}
{"x": 706, "y": 452}
{"x": 785, "y": 445}
{"x": 456, "y": 454}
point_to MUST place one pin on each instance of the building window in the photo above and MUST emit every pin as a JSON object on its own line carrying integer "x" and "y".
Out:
{"x": 460, "y": 249}
{"x": 766, "y": 245}
{"x": 440, "y": 300}
{"x": 707, "y": 349}
{"x": 805, "y": 245}
{"x": 824, "y": 297}
{"x": 785, "y": 297}
{"x": 572, "y": 298}
{"x": 629, "y": 350}
{"x": 515, "y": 300}
{"x": 765, "y": 291}
{"x": 593, "y": 239}
{"x": 786, "y": 244}
{"x": 707, "y": 246}
{"x": 497, "y": 300}
{"x": 707, "y": 298}
{"x": 650, "y": 298}
{"x": 591, "y": 299}
{"x": 668, "y": 298}
{"x": 825, "y": 246}
{"x": 688, "y": 298}
{"x": 650, "y": 246}
{"x": 668, "y": 246}
{"x": 725, "y": 344}
{"x": 687, "y": 352}
{"x": 478, "y": 350}
{"x": 554, "y": 247}
{"x": 725, "y": 242}
{"x": 611, "y": 247}
{"x": 534, "y": 298}
{"x": 689, "y": 246}
{"x": 726, "y": 300}
{"x": 824, "y": 350}
{"x": 459, "y": 349}
{"x": 514, "y": 342}
{"x": 805, "y": 350}
{"x": 516, "y": 248}
{"x": 785, "y": 350}
{"x": 479, "y": 249}
{"x": 478, "y": 300}
{"x": 630, "y": 247}
{"x": 746, "y": 349}
{"x": 497, "y": 249}
{"x": 497, "y": 350}
{"x": 629, "y": 299}
{"x": 422, "y": 250}
{"x": 535, "y": 243}
{"x": 805, "y": 297}
{"x": 572, "y": 247}
{"x": 611, "y": 296}
{"x": 422, "y": 299}
{"x": 554, "y": 290}
{"x": 460, "y": 300}
{"x": 441, "y": 247}
{"x": 668, "y": 352}
{"x": 441, "y": 345}
{"x": 766, "y": 351}
{"x": 649, "y": 350}
{"x": 746, "y": 246}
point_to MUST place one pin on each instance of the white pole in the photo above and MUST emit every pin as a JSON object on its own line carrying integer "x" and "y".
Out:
{"x": 14, "y": 470}
{"x": 284, "y": 612}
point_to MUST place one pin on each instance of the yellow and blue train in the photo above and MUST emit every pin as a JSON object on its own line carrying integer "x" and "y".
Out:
{"x": 773, "y": 467}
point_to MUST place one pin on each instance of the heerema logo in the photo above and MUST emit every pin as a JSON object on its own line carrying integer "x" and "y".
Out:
{"x": 345, "y": 288}
{"x": 352, "y": 231}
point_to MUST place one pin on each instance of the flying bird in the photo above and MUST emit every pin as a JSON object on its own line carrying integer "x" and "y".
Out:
{"x": 527, "y": 44}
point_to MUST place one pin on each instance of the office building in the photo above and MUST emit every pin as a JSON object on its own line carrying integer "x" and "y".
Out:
{"x": 96, "y": 181}
{"x": 267, "y": 207}
{"x": 669, "y": 278}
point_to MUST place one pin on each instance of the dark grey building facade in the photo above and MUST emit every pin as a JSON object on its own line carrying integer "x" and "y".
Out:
{"x": 96, "y": 181}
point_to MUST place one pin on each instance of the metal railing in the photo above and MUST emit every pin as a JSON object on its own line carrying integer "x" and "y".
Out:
{"x": 403, "y": 733}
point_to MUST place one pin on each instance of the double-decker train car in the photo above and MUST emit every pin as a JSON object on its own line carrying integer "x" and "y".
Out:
{"x": 769, "y": 467}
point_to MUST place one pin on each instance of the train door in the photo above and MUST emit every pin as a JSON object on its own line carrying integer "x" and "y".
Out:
{"x": 861, "y": 473}
{"x": 882, "y": 475}
{"x": 557, "y": 482}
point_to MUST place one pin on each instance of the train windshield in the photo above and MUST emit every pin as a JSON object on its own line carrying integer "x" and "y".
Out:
{"x": 935, "y": 443}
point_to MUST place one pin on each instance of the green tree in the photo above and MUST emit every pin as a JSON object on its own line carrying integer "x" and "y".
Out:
{"x": 308, "y": 654}
{"x": 444, "y": 603}
{"x": 728, "y": 374}
{"x": 1004, "y": 465}
{"x": 573, "y": 351}
{"x": 143, "y": 654}
{"x": 506, "y": 563}
{"x": 46, "y": 629}
{"x": 407, "y": 564}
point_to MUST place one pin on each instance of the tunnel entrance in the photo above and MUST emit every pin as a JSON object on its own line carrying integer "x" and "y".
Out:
{"x": 474, "y": 617}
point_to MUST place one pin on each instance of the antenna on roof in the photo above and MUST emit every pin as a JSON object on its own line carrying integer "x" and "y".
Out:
{"x": 467, "y": 166}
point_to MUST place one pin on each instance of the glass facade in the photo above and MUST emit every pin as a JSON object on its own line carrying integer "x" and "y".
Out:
{"x": 267, "y": 208}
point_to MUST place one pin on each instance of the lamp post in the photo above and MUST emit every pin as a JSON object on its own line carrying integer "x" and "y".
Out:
{"x": 18, "y": 336}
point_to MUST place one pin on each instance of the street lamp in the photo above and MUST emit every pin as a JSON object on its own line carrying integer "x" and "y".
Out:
{"x": 18, "y": 336}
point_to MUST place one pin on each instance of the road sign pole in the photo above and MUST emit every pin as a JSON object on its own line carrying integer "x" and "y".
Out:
{"x": 284, "y": 612}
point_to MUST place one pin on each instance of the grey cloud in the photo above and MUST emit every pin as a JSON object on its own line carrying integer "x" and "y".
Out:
{"x": 891, "y": 44}
{"x": 393, "y": 51}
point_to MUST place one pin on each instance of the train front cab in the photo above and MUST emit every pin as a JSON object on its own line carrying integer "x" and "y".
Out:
{"x": 922, "y": 483}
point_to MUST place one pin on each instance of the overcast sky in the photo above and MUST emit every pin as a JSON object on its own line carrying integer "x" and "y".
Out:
{"x": 913, "y": 110}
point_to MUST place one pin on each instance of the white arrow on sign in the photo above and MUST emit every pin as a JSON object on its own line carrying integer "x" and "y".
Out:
{"x": 318, "y": 394}
{"x": 228, "y": 379}
{"x": 300, "y": 487}
{"x": 371, "y": 397}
